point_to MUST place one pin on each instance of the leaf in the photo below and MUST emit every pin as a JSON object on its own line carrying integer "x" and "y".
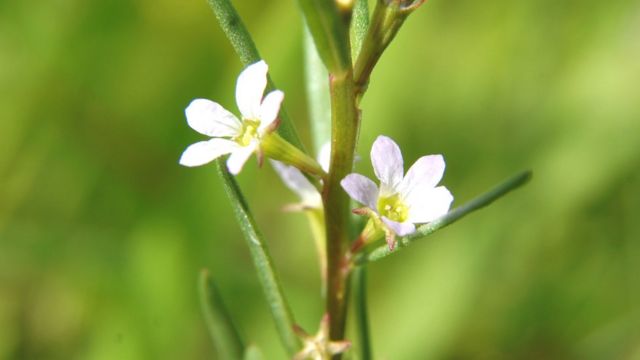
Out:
{"x": 267, "y": 275}
{"x": 449, "y": 218}
{"x": 329, "y": 34}
{"x": 224, "y": 334}
{"x": 359, "y": 26}
{"x": 317, "y": 83}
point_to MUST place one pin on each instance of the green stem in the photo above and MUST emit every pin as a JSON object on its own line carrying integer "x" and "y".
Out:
{"x": 224, "y": 334}
{"x": 451, "y": 217}
{"x": 362, "y": 317}
{"x": 262, "y": 260}
{"x": 344, "y": 133}
{"x": 245, "y": 48}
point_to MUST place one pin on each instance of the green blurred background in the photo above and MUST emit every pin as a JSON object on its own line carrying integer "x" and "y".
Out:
{"x": 102, "y": 233}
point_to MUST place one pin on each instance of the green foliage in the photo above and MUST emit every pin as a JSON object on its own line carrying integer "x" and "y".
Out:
{"x": 102, "y": 233}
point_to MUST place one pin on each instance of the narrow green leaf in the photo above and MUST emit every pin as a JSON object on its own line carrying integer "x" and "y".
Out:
{"x": 359, "y": 26}
{"x": 451, "y": 217}
{"x": 267, "y": 275}
{"x": 317, "y": 82}
{"x": 329, "y": 33}
{"x": 243, "y": 44}
{"x": 359, "y": 278}
{"x": 224, "y": 334}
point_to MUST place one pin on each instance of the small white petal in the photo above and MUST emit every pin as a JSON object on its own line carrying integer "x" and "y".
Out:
{"x": 324, "y": 156}
{"x": 239, "y": 157}
{"x": 299, "y": 184}
{"x": 203, "y": 152}
{"x": 426, "y": 172}
{"x": 428, "y": 204}
{"x": 249, "y": 89}
{"x": 211, "y": 119}
{"x": 361, "y": 189}
{"x": 401, "y": 229}
{"x": 386, "y": 159}
{"x": 270, "y": 108}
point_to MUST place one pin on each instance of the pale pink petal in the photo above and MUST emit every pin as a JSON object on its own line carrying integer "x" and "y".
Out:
{"x": 401, "y": 229}
{"x": 324, "y": 156}
{"x": 427, "y": 204}
{"x": 203, "y": 152}
{"x": 426, "y": 172}
{"x": 270, "y": 108}
{"x": 299, "y": 184}
{"x": 386, "y": 159}
{"x": 250, "y": 88}
{"x": 239, "y": 157}
{"x": 211, "y": 119}
{"x": 361, "y": 189}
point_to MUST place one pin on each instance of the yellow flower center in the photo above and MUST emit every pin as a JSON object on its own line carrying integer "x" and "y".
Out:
{"x": 249, "y": 132}
{"x": 393, "y": 208}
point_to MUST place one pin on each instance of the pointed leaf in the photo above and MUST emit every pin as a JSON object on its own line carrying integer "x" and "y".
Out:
{"x": 267, "y": 275}
{"x": 224, "y": 334}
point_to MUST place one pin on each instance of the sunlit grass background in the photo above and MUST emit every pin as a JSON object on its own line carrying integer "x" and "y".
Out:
{"x": 102, "y": 234}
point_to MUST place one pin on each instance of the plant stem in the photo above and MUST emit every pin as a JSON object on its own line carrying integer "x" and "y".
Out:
{"x": 224, "y": 334}
{"x": 262, "y": 260}
{"x": 362, "y": 317}
{"x": 344, "y": 133}
{"x": 449, "y": 218}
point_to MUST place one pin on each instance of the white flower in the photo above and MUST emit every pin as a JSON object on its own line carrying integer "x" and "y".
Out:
{"x": 294, "y": 180}
{"x": 402, "y": 200}
{"x": 240, "y": 138}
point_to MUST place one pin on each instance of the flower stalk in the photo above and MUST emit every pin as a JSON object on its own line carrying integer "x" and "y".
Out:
{"x": 276, "y": 148}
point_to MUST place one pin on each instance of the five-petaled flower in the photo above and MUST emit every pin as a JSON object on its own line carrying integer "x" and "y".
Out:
{"x": 401, "y": 201}
{"x": 240, "y": 138}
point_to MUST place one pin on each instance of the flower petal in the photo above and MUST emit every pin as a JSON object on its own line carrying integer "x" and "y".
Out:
{"x": 428, "y": 204}
{"x": 426, "y": 172}
{"x": 401, "y": 229}
{"x": 211, "y": 119}
{"x": 239, "y": 157}
{"x": 361, "y": 189}
{"x": 249, "y": 89}
{"x": 324, "y": 156}
{"x": 299, "y": 184}
{"x": 386, "y": 159}
{"x": 270, "y": 108}
{"x": 203, "y": 152}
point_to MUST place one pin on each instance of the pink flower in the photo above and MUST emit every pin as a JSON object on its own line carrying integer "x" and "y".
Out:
{"x": 402, "y": 200}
